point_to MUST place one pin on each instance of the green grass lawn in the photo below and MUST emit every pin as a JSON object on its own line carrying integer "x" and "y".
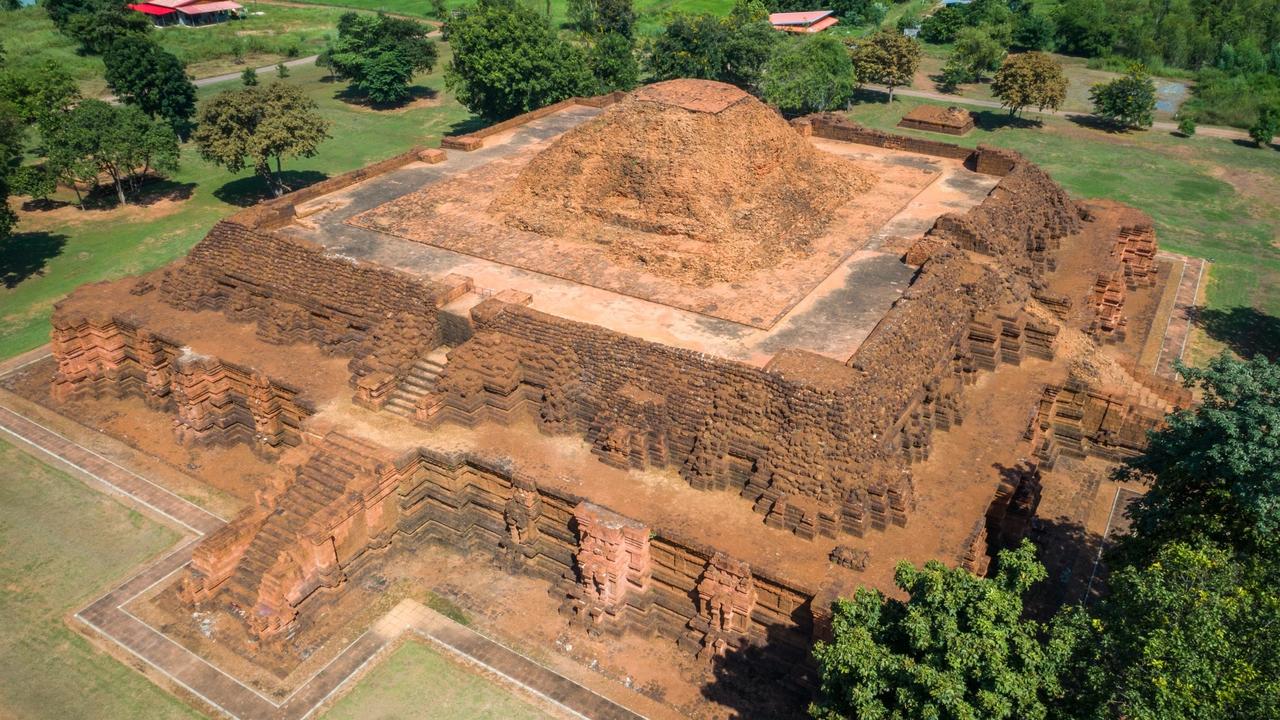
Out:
{"x": 416, "y": 681}
{"x": 1210, "y": 198}
{"x": 278, "y": 33}
{"x": 56, "y": 251}
{"x": 60, "y": 544}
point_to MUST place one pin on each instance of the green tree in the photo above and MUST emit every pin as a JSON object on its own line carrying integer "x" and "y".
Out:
{"x": 38, "y": 90}
{"x": 282, "y": 71}
{"x": 811, "y": 75}
{"x": 733, "y": 49}
{"x": 379, "y": 54}
{"x": 1085, "y": 27}
{"x": 888, "y": 58}
{"x": 507, "y": 60}
{"x": 95, "y": 138}
{"x": 1214, "y": 470}
{"x": 942, "y": 26}
{"x": 977, "y": 52}
{"x": 957, "y": 648}
{"x": 1192, "y": 634}
{"x": 33, "y": 181}
{"x": 613, "y": 63}
{"x": 600, "y": 17}
{"x": 1267, "y": 125}
{"x": 12, "y": 135}
{"x": 690, "y": 46}
{"x": 142, "y": 74}
{"x": 439, "y": 10}
{"x": 1128, "y": 101}
{"x": 1030, "y": 79}
{"x": 1033, "y": 31}
{"x": 249, "y": 77}
{"x": 1187, "y": 127}
{"x": 98, "y": 24}
{"x": 252, "y": 126}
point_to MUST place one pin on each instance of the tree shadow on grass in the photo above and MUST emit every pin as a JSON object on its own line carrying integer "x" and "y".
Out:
{"x": 468, "y": 125}
{"x": 1245, "y": 330}
{"x": 152, "y": 190}
{"x": 1093, "y": 122}
{"x": 26, "y": 253}
{"x": 992, "y": 120}
{"x": 251, "y": 190}
{"x": 416, "y": 92}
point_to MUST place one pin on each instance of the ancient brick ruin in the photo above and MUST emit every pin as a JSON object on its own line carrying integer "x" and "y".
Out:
{"x": 345, "y": 369}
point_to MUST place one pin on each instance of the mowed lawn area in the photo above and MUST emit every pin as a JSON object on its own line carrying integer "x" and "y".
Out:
{"x": 61, "y": 543}
{"x": 417, "y": 681}
{"x": 280, "y": 32}
{"x": 56, "y": 251}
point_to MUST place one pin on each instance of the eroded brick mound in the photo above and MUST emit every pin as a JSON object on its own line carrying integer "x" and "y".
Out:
{"x": 689, "y": 179}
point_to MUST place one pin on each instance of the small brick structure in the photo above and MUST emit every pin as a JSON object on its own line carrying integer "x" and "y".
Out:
{"x": 932, "y": 118}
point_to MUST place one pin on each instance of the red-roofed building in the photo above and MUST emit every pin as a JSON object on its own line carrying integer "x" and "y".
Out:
{"x": 813, "y": 21}
{"x": 189, "y": 12}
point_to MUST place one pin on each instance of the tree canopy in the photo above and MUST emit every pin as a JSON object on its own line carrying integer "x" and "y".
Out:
{"x": 956, "y": 649}
{"x": 94, "y": 138}
{"x": 142, "y": 74}
{"x": 379, "y": 54}
{"x": 1190, "y": 634}
{"x": 251, "y": 126}
{"x": 1128, "y": 101}
{"x": 507, "y": 60}
{"x": 733, "y": 49}
{"x": 888, "y": 58}
{"x": 1214, "y": 470}
{"x": 1030, "y": 79}
{"x": 1266, "y": 126}
{"x": 810, "y": 75}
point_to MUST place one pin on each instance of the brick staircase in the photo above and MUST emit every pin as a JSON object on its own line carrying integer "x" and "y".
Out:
{"x": 321, "y": 480}
{"x": 420, "y": 381}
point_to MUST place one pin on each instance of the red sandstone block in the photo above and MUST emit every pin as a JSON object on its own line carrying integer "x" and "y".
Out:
{"x": 432, "y": 156}
{"x": 465, "y": 143}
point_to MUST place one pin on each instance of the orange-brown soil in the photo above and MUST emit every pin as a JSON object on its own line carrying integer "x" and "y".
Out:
{"x": 687, "y": 179}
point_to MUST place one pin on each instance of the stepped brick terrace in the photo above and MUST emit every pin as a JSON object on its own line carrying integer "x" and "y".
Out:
{"x": 680, "y": 370}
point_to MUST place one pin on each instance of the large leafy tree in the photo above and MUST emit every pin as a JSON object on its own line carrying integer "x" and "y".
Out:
{"x": 252, "y": 126}
{"x": 379, "y": 54}
{"x": 1030, "y": 79}
{"x": 811, "y": 75}
{"x": 143, "y": 74}
{"x": 1128, "y": 101}
{"x": 507, "y": 60}
{"x": 733, "y": 49}
{"x": 95, "y": 138}
{"x": 603, "y": 16}
{"x": 956, "y": 649}
{"x": 12, "y": 131}
{"x": 888, "y": 58}
{"x": 96, "y": 24}
{"x": 1192, "y": 634}
{"x": 35, "y": 91}
{"x": 1214, "y": 469}
{"x": 613, "y": 63}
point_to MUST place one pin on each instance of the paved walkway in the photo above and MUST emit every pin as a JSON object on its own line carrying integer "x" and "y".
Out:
{"x": 109, "y": 614}
{"x": 1182, "y": 316}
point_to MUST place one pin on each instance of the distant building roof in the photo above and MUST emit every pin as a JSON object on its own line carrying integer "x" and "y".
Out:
{"x": 798, "y": 18}
{"x": 201, "y": 8}
{"x": 152, "y": 9}
{"x": 172, "y": 4}
{"x": 803, "y": 22}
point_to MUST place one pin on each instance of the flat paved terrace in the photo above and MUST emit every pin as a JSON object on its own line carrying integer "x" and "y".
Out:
{"x": 829, "y": 311}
